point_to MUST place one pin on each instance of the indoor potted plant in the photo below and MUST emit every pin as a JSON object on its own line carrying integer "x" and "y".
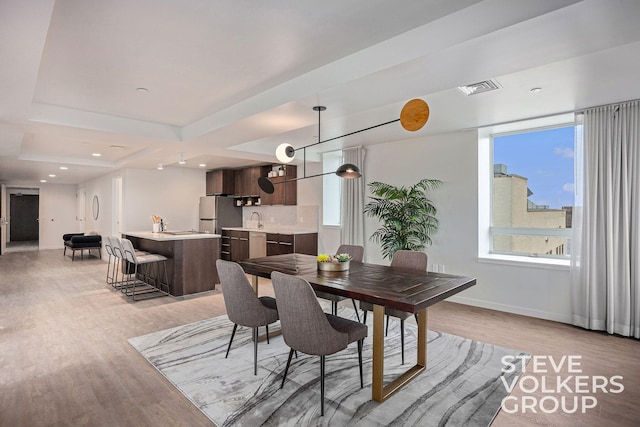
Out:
{"x": 408, "y": 217}
{"x": 338, "y": 262}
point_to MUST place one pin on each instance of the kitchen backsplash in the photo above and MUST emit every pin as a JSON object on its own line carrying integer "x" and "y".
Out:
{"x": 285, "y": 218}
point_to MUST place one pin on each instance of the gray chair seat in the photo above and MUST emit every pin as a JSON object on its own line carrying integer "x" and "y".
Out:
{"x": 306, "y": 328}
{"x": 244, "y": 308}
{"x": 355, "y": 331}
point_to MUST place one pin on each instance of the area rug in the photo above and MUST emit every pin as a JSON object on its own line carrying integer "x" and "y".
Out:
{"x": 461, "y": 386}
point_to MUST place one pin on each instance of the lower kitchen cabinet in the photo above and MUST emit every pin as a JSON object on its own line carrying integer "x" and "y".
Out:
{"x": 301, "y": 243}
{"x": 235, "y": 245}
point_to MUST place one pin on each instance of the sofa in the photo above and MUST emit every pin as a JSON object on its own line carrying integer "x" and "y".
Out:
{"x": 81, "y": 242}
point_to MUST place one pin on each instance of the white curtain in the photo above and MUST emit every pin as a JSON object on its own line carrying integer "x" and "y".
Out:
{"x": 606, "y": 259}
{"x": 352, "y": 216}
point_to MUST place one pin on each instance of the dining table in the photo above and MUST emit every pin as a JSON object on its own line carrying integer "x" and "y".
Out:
{"x": 382, "y": 286}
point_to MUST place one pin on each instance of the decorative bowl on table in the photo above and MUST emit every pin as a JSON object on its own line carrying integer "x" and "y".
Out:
{"x": 339, "y": 262}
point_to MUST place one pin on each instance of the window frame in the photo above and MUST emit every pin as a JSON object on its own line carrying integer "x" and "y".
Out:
{"x": 336, "y": 157}
{"x": 487, "y": 231}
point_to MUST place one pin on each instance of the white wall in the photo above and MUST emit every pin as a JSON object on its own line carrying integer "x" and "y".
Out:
{"x": 173, "y": 193}
{"x": 453, "y": 158}
{"x": 57, "y": 213}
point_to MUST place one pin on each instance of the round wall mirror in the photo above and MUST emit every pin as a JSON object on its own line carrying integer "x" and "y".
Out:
{"x": 96, "y": 207}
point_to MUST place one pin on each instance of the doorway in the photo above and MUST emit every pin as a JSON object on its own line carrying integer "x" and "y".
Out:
{"x": 23, "y": 232}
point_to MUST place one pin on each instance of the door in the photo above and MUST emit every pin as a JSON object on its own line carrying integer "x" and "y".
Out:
{"x": 3, "y": 219}
{"x": 24, "y": 213}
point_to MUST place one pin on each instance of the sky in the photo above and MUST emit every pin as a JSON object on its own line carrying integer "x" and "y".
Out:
{"x": 544, "y": 157}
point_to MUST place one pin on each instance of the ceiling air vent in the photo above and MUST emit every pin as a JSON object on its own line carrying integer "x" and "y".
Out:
{"x": 480, "y": 87}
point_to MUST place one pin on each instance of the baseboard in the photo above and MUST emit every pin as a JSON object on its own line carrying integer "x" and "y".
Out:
{"x": 556, "y": 317}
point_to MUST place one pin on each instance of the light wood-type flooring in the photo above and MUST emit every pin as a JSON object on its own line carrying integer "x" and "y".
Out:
{"x": 65, "y": 359}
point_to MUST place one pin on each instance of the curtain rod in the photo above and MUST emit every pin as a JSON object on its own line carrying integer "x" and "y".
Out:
{"x": 544, "y": 116}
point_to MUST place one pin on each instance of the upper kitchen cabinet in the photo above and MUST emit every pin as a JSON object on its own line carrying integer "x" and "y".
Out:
{"x": 284, "y": 193}
{"x": 220, "y": 182}
{"x": 246, "y": 180}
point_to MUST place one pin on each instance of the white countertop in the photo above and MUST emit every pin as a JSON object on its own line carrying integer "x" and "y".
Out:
{"x": 270, "y": 230}
{"x": 167, "y": 236}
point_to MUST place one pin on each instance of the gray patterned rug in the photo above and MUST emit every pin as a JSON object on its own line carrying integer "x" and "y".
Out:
{"x": 461, "y": 386}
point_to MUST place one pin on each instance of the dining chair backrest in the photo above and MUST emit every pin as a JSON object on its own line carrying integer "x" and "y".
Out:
{"x": 128, "y": 251}
{"x": 412, "y": 260}
{"x": 304, "y": 325}
{"x": 116, "y": 247}
{"x": 243, "y": 306}
{"x": 108, "y": 245}
{"x": 356, "y": 252}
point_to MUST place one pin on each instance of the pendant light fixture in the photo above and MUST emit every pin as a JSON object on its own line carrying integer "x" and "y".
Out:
{"x": 413, "y": 116}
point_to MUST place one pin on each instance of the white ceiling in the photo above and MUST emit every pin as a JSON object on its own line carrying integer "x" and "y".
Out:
{"x": 229, "y": 81}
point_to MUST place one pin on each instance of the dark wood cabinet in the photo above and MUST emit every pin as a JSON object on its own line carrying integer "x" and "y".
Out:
{"x": 303, "y": 243}
{"x": 235, "y": 245}
{"x": 285, "y": 193}
{"x": 246, "y": 181}
{"x": 220, "y": 182}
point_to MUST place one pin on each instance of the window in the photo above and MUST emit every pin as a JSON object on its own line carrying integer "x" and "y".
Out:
{"x": 532, "y": 192}
{"x": 331, "y": 188}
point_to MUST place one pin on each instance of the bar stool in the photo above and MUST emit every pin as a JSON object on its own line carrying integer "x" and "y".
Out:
{"x": 144, "y": 263}
{"x": 120, "y": 262}
{"x": 111, "y": 274}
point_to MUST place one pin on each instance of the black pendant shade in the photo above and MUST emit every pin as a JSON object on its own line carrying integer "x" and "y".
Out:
{"x": 349, "y": 171}
{"x": 265, "y": 185}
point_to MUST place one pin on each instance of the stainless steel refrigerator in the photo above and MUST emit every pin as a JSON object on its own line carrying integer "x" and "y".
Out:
{"x": 217, "y": 212}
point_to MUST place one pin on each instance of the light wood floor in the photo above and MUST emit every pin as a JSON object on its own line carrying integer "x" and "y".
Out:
{"x": 65, "y": 359}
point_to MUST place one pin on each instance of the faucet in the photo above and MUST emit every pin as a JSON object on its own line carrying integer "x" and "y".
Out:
{"x": 260, "y": 225}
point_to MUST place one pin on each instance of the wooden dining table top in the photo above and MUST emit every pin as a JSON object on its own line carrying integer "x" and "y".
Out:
{"x": 398, "y": 288}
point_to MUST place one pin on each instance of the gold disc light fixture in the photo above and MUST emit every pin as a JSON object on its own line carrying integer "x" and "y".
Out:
{"x": 413, "y": 117}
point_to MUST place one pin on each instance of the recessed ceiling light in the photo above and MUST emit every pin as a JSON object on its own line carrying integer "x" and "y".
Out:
{"x": 63, "y": 168}
{"x": 117, "y": 147}
{"x": 160, "y": 167}
{"x": 536, "y": 90}
{"x": 202, "y": 165}
{"x": 142, "y": 89}
{"x": 96, "y": 154}
{"x": 51, "y": 175}
{"x": 43, "y": 180}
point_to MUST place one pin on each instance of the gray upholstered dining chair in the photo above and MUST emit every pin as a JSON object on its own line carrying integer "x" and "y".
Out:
{"x": 306, "y": 328}
{"x": 411, "y": 260}
{"x": 357, "y": 254}
{"x": 244, "y": 308}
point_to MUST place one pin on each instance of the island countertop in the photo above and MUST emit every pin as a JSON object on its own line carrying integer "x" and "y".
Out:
{"x": 165, "y": 236}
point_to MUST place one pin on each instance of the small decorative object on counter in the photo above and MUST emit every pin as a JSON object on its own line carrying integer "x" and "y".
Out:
{"x": 281, "y": 171}
{"x": 157, "y": 223}
{"x": 339, "y": 262}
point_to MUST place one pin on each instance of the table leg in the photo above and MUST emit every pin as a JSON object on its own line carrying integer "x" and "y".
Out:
{"x": 254, "y": 284}
{"x": 379, "y": 391}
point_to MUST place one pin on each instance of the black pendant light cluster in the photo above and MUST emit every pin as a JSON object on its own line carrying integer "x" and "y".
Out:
{"x": 414, "y": 115}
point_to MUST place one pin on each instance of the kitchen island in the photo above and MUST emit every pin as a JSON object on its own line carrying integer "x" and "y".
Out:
{"x": 191, "y": 257}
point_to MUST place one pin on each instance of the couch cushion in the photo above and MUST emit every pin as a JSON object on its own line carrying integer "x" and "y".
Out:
{"x": 84, "y": 242}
